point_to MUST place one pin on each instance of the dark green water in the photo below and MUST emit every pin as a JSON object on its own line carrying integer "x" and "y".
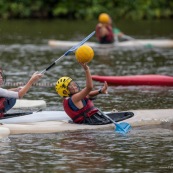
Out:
{"x": 24, "y": 50}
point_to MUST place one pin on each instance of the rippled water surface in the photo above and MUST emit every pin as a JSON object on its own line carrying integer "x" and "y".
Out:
{"x": 143, "y": 150}
{"x": 24, "y": 50}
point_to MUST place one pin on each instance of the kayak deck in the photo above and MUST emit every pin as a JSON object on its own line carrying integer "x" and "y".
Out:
{"x": 42, "y": 116}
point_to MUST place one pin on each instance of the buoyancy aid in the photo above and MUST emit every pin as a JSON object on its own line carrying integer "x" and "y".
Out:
{"x": 106, "y": 39}
{"x": 2, "y": 106}
{"x": 79, "y": 116}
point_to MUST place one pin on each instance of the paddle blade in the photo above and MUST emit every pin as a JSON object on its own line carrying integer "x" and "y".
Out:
{"x": 122, "y": 127}
{"x": 80, "y": 43}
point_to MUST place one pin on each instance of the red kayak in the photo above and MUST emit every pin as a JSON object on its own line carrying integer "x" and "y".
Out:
{"x": 151, "y": 79}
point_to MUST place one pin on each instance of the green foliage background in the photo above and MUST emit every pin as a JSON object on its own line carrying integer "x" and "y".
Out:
{"x": 86, "y": 9}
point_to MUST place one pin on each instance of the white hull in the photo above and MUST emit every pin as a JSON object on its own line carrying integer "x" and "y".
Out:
{"x": 57, "y": 121}
{"x": 148, "y": 43}
{"x": 21, "y": 103}
{"x": 37, "y": 117}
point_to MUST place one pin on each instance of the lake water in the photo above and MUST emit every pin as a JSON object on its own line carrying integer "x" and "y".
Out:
{"x": 24, "y": 50}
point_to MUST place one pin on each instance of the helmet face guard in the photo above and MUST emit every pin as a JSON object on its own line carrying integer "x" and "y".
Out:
{"x": 62, "y": 86}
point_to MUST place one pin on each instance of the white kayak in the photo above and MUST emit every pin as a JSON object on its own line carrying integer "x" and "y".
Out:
{"x": 41, "y": 116}
{"x": 22, "y": 103}
{"x": 135, "y": 43}
{"x": 58, "y": 121}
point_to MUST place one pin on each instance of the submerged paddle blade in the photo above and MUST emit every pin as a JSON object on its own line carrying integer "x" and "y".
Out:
{"x": 122, "y": 127}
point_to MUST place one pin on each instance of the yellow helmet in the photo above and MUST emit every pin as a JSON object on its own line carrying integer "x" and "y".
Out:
{"x": 104, "y": 18}
{"x": 61, "y": 86}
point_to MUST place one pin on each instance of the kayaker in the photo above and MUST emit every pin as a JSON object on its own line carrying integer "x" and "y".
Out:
{"x": 104, "y": 31}
{"x": 106, "y": 34}
{"x": 8, "y": 97}
{"x": 78, "y": 103}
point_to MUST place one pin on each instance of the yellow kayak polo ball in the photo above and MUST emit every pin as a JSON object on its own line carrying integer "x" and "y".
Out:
{"x": 84, "y": 54}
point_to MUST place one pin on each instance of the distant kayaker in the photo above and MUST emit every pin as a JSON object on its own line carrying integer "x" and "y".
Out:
{"x": 105, "y": 33}
{"x": 8, "y": 97}
{"x": 78, "y": 103}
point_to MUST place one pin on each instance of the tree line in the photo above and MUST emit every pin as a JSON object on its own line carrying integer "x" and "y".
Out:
{"x": 86, "y": 9}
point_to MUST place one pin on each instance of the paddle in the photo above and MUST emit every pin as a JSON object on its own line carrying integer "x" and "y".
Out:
{"x": 69, "y": 51}
{"x": 129, "y": 38}
{"x": 122, "y": 127}
{"x": 118, "y": 31}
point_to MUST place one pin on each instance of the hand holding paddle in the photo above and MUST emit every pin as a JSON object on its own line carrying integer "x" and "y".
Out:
{"x": 34, "y": 78}
{"x": 122, "y": 127}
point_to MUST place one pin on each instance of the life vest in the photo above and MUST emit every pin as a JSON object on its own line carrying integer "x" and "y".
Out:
{"x": 79, "y": 116}
{"x": 2, "y": 106}
{"x": 108, "y": 38}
